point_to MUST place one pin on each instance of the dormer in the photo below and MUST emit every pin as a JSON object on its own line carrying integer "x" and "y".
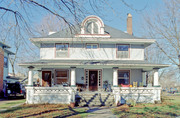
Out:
{"x": 92, "y": 26}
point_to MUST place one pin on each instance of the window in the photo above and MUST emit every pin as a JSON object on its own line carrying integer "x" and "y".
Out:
{"x": 123, "y": 77}
{"x": 61, "y": 76}
{"x": 122, "y": 51}
{"x": 92, "y": 27}
{"x": 62, "y": 50}
{"x": 91, "y": 46}
{"x": 5, "y": 62}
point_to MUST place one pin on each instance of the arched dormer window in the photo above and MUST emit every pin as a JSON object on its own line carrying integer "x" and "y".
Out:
{"x": 91, "y": 27}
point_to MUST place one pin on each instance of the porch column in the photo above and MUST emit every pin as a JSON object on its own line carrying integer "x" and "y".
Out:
{"x": 30, "y": 76}
{"x": 115, "y": 76}
{"x": 40, "y": 77}
{"x": 144, "y": 78}
{"x": 156, "y": 77}
{"x": 73, "y": 76}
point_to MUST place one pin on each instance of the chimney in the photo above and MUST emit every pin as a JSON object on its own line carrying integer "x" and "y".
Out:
{"x": 129, "y": 24}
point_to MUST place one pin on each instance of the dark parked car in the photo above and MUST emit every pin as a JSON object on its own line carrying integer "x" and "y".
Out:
{"x": 173, "y": 90}
{"x": 14, "y": 90}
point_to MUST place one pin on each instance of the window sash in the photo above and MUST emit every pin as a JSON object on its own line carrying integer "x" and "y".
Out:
{"x": 61, "y": 47}
{"x": 123, "y": 77}
{"x": 92, "y": 27}
{"x": 61, "y": 76}
{"x": 5, "y": 62}
{"x": 91, "y": 46}
{"x": 62, "y": 50}
{"x": 122, "y": 51}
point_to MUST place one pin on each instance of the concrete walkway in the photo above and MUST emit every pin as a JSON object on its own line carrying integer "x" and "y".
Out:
{"x": 100, "y": 112}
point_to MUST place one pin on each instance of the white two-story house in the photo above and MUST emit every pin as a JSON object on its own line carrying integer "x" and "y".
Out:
{"x": 90, "y": 58}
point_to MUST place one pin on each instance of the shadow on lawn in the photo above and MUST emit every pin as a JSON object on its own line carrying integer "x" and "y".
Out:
{"x": 13, "y": 109}
{"x": 47, "y": 111}
{"x": 71, "y": 114}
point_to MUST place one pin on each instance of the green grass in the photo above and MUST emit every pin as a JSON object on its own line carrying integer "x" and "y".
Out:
{"x": 170, "y": 107}
{"x": 8, "y": 104}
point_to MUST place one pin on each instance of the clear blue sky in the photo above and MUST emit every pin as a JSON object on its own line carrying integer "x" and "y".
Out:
{"x": 118, "y": 18}
{"x": 115, "y": 17}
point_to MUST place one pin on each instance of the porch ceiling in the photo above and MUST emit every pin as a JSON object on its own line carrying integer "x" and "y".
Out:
{"x": 122, "y": 64}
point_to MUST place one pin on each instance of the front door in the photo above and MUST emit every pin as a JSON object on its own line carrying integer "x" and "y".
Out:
{"x": 46, "y": 78}
{"x": 93, "y": 81}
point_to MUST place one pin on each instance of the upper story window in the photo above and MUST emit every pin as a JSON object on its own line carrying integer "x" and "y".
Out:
{"x": 62, "y": 50}
{"x": 5, "y": 62}
{"x": 91, "y": 46}
{"x": 123, "y": 51}
{"x": 91, "y": 27}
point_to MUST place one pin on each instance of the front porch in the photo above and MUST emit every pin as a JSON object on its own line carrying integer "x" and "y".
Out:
{"x": 60, "y": 93}
{"x": 61, "y": 82}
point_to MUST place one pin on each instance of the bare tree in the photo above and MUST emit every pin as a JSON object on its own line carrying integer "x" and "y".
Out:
{"x": 49, "y": 23}
{"x": 164, "y": 24}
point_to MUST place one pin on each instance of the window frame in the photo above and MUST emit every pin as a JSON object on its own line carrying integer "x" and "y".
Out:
{"x": 56, "y": 78}
{"x": 92, "y": 46}
{"x": 129, "y": 71}
{"x": 92, "y": 31}
{"x": 129, "y": 46}
{"x": 5, "y": 64}
{"x": 62, "y": 51}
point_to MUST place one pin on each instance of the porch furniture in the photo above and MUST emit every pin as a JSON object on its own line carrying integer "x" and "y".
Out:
{"x": 123, "y": 85}
{"x": 134, "y": 84}
{"x": 105, "y": 85}
{"x": 80, "y": 87}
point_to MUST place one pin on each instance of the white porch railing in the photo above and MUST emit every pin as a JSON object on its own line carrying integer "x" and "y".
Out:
{"x": 51, "y": 90}
{"x": 52, "y": 95}
{"x": 139, "y": 94}
{"x": 65, "y": 95}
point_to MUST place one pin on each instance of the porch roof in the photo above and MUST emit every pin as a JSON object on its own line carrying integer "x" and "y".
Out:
{"x": 126, "y": 64}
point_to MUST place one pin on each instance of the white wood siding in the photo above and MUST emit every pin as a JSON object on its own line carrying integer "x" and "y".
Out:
{"x": 104, "y": 52}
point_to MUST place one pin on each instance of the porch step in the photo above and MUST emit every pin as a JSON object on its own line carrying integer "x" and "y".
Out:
{"x": 95, "y": 99}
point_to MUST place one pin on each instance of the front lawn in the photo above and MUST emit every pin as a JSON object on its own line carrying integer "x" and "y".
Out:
{"x": 46, "y": 110}
{"x": 170, "y": 107}
{"x": 10, "y": 103}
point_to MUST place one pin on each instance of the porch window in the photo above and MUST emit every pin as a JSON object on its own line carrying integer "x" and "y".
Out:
{"x": 61, "y": 76}
{"x": 123, "y": 77}
{"x": 122, "y": 51}
{"x": 91, "y": 46}
{"x": 62, "y": 50}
